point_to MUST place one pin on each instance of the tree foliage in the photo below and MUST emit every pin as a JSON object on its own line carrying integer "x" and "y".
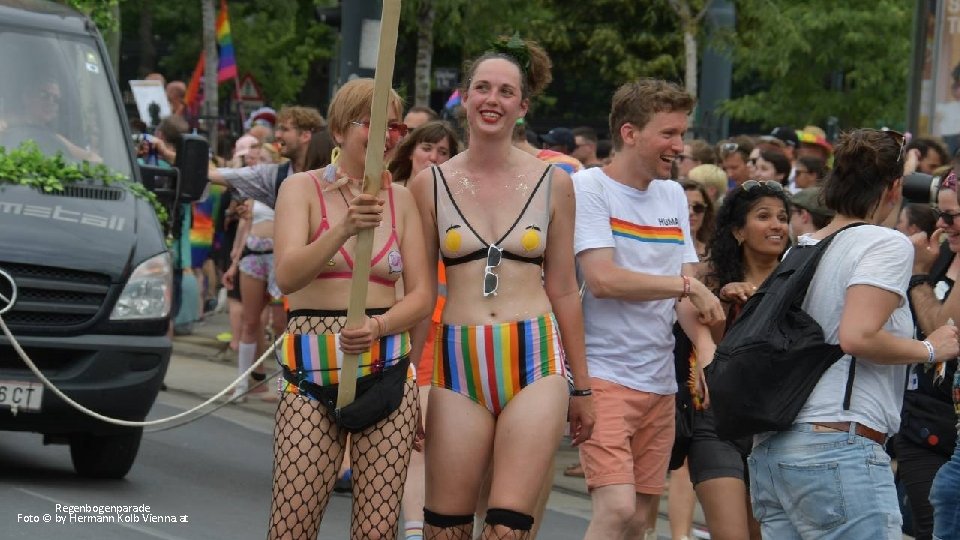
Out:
{"x": 101, "y": 12}
{"x": 278, "y": 41}
{"x": 822, "y": 58}
{"x": 787, "y": 55}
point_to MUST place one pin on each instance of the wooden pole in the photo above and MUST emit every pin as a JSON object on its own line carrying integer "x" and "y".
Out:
{"x": 372, "y": 173}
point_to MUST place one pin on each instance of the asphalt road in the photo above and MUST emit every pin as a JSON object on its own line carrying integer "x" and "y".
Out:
{"x": 211, "y": 477}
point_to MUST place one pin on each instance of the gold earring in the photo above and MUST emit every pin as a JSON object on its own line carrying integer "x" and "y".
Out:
{"x": 334, "y": 155}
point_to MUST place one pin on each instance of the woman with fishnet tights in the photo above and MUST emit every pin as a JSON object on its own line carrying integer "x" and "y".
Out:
{"x": 318, "y": 215}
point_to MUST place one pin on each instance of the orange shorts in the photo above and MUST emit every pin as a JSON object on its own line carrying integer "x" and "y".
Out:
{"x": 632, "y": 439}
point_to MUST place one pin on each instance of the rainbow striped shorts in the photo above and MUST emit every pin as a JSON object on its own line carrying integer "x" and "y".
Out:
{"x": 490, "y": 364}
{"x": 315, "y": 358}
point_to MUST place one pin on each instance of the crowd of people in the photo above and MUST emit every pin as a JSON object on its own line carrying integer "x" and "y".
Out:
{"x": 521, "y": 282}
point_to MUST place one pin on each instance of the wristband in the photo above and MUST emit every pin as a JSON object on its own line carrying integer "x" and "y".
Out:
{"x": 581, "y": 393}
{"x": 929, "y": 347}
{"x": 686, "y": 287}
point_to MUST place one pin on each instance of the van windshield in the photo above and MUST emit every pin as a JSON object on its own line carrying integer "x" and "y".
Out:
{"x": 56, "y": 92}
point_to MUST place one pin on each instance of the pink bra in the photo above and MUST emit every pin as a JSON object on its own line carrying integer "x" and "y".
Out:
{"x": 385, "y": 267}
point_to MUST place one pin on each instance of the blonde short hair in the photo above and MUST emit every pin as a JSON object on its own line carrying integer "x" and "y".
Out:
{"x": 352, "y": 103}
{"x": 711, "y": 176}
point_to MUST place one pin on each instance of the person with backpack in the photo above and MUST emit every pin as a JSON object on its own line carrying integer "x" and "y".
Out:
{"x": 751, "y": 236}
{"x": 826, "y": 475}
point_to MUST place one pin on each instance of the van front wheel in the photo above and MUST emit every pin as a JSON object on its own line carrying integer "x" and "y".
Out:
{"x": 105, "y": 456}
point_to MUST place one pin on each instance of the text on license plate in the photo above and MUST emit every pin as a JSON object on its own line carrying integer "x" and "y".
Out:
{"x": 25, "y": 396}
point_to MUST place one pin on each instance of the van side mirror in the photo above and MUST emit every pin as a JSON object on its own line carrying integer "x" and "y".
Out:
{"x": 162, "y": 181}
{"x": 193, "y": 156}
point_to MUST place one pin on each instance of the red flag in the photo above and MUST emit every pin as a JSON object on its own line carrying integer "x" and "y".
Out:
{"x": 194, "y": 95}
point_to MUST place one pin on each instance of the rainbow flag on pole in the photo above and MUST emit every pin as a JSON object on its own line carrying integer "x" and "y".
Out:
{"x": 228, "y": 63}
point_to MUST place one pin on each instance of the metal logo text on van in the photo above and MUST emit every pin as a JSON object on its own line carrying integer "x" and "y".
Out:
{"x": 59, "y": 213}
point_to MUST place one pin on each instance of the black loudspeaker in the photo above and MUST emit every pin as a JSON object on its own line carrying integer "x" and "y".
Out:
{"x": 193, "y": 158}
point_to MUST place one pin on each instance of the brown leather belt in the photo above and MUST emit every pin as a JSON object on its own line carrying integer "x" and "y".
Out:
{"x": 862, "y": 430}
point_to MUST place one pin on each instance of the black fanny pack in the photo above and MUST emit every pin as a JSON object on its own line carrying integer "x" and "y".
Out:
{"x": 378, "y": 395}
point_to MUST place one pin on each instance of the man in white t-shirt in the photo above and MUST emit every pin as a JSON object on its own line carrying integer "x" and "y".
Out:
{"x": 634, "y": 246}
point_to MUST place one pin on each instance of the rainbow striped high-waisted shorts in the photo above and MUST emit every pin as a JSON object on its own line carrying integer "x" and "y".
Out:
{"x": 316, "y": 359}
{"x": 490, "y": 364}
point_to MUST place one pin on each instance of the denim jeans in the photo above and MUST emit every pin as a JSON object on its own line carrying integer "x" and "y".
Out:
{"x": 822, "y": 486}
{"x": 945, "y": 498}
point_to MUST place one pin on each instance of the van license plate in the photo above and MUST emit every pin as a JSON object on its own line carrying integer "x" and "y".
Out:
{"x": 25, "y": 396}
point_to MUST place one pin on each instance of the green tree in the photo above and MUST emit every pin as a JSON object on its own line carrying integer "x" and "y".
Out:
{"x": 822, "y": 58}
{"x": 601, "y": 44}
{"x": 102, "y": 12}
{"x": 278, "y": 41}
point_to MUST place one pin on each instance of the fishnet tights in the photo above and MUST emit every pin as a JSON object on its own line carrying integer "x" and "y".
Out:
{"x": 309, "y": 448}
{"x": 465, "y": 532}
{"x": 456, "y": 532}
{"x": 502, "y": 532}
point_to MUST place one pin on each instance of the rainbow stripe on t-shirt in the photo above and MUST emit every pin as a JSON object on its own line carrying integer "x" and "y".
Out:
{"x": 646, "y": 233}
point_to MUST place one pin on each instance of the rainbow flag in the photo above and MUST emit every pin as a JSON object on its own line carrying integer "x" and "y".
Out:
{"x": 202, "y": 227}
{"x": 228, "y": 63}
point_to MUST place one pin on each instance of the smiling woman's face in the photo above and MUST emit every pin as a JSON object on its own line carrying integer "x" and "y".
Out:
{"x": 765, "y": 231}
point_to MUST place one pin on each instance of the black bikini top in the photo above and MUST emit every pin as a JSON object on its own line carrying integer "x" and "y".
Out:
{"x": 526, "y": 244}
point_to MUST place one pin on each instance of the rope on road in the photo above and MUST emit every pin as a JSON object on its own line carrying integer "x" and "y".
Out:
{"x": 145, "y": 423}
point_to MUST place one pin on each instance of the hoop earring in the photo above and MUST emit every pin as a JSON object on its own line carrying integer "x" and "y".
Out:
{"x": 335, "y": 155}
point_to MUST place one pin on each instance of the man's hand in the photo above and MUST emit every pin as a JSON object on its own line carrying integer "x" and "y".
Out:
{"x": 708, "y": 306}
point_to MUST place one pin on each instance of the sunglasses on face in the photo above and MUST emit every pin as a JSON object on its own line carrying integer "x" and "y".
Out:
{"x": 395, "y": 129}
{"x": 490, "y": 280}
{"x": 947, "y": 217}
{"x": 698, "y": 208}
{"x": 750, "y": 184}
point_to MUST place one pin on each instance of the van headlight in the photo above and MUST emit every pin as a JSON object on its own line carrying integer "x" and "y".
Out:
{"x": 148, "y": 293}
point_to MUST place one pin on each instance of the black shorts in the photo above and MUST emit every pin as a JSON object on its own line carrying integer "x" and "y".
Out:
{"x": 711, "y": 457}
{"x": 234, "y": 292}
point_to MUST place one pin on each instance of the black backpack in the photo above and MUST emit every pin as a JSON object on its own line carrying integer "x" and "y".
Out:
{"x": 774, "y": 354}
